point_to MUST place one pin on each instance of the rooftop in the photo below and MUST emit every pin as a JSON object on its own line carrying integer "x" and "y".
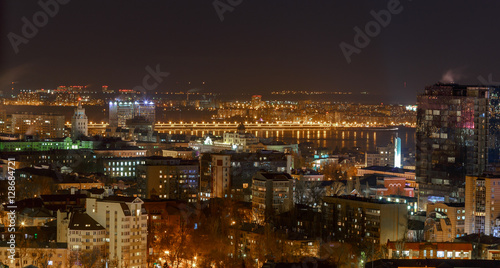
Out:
{"x": 360, "y": 199}
{"x": 82, "y": 221}
{"x": 388, "y": 169}
{"x": 273, "y": 176}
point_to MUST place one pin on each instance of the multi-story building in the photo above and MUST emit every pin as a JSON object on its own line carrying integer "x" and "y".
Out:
{"x": 120, "y": 111}
{"x": 79, "y": 160}
{"x": 494, "y": 122}
{"x": 41, "y": 125}
{"x": 79, "y": 122}
{"x": 242, "y": 167}
{"x": 356, "y": 219}
{"x": 45, "y": 145}
{"x": 423, "y": 250}
{"x": 126, "y": 167}
{"x": 175, "y": 179}
{"x": 393, "y": 185}
{"x": 248, "y": 241}
{"x": 307, "y": 175}
{"x": 179, "y": 152}
{"x": 120, "y": 167}
{"x": 272, "y": 194}
{"x": 126, "y": 229}
{"x": 240, "y": 138}
{"x": 84, "y": 235}
{"x": 452, "y": 138}
{"x": 221, "y": 175}
{"x": 445, "y": 222}
{"x": 482, "y": 211}
{"x": 389, "y": 155}
{"x": 4, "y": 122}
{"x": 124, "y": 152}
{"x": 35, "y": 253}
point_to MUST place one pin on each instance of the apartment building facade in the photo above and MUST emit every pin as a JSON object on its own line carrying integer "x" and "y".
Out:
{"x": 126, "y": 229}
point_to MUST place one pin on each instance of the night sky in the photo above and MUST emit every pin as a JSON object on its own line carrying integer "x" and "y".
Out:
{"x": 259, "y": 47}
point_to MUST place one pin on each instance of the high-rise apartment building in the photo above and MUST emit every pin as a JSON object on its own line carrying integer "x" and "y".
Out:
{"x": 494, "y": 126}
{"x": 356, "y": 219}
{"x": 126, "y": 229}
{"x": 79, "y": 123}
{"x": 452, "y": 138}
{"x": 121, "y": 111}
{"x": 272, "y": 194}
{"x": 177, "y": 179}
{"x": 482, "y": 209}
{"x": 221, "y": 175}
{"x": 40, "y": 125}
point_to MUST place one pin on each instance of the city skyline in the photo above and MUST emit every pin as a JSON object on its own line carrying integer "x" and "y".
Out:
{"x": 236, "y": 133}
{"x": 256, "y": 46}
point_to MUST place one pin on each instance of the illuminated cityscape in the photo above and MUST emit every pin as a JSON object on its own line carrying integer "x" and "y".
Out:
{"x": 249, "y": 134}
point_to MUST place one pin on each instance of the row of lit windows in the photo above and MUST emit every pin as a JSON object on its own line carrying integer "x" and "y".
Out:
{"x": 125, "y": 163}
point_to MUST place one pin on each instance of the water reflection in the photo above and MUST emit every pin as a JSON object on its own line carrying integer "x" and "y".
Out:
{"x": 367, "y": 140}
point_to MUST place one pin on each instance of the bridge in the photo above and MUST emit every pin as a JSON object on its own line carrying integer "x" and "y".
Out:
{"x": 170, "y": 127}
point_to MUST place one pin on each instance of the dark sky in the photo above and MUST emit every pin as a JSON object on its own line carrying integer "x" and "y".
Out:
{"x": 259, "y": 47}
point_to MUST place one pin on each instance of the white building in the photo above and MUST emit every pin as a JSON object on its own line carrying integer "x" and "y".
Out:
{"x": 86, "y": 237}
{"x": 240, "y": 139}
{"x": 126, "y": 229}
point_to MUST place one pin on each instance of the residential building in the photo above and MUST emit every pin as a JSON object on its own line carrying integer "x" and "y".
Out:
{"x": 482, "y": 210}
{"x": 221, "y": 175}
{"x": 389, "y": 155}
{"x": 307, "y": 175}
{"x": 242, "y": 167}
{"x": 126, "y": 228}
{"x": 356, "y": 219}
{"x": 40, "y": 125}
{"x": 445, "y": 222}
{"x": 272, "y": 194}
{"x": 451, "y": 138}
{"x": 171, "y": 179}
{"x": 84, "y": 235}
{"x": 35, "y": 253}
{"x": 248, "y": 238}
{"x": 35, "y": 216}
